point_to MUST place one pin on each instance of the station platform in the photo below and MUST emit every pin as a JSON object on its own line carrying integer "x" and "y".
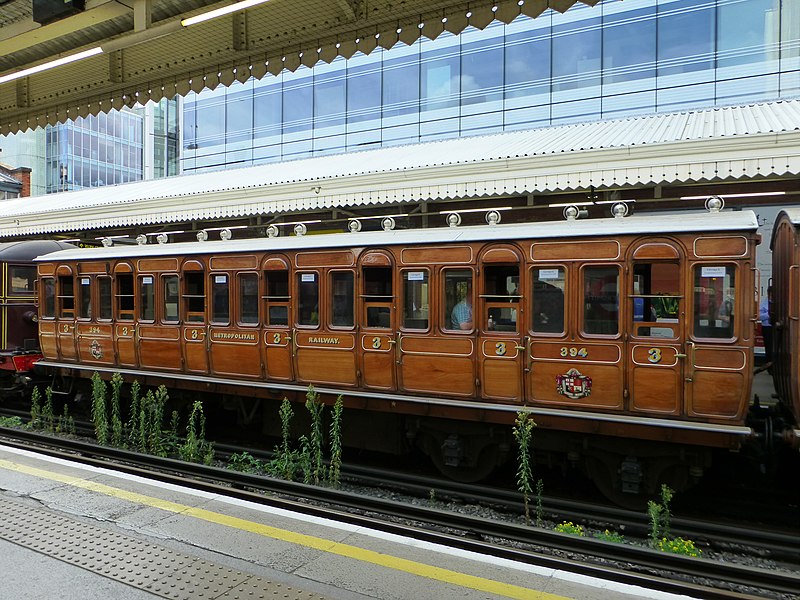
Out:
{"x": 74, "y": 531}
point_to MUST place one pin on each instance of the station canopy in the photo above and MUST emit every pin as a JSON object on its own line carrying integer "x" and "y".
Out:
{"x": 759, "y": 143}
{"x": 142, "y": 50}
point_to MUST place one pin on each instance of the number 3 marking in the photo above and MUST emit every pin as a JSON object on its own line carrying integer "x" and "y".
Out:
{"x": 276, "y": 338}
{"x": 376, "y": 343}
{"x": 500, "y": 349}
{"x": 654, "y": 355}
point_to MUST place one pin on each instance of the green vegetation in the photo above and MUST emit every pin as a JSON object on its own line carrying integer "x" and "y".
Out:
{"x": 610, "y": 536}
{"x": 523, "y": 434}
{"x": 570, "y": 528}
{"x": 99, "y": 413}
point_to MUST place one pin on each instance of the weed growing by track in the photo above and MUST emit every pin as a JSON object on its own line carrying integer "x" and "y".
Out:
{"x": 523, "y": 434}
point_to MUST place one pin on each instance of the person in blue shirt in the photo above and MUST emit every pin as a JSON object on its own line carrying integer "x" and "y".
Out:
{"x": 461, "y": 315}
{"x": 765, "y": 316}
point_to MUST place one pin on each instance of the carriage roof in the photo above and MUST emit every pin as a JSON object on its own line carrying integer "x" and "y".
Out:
{"x": 645, "y": 224}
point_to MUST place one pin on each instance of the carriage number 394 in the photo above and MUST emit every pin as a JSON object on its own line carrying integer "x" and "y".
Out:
{"x": 572, "y": 352}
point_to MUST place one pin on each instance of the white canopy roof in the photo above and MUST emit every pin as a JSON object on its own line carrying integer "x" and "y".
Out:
{"x": 731, "y": 143}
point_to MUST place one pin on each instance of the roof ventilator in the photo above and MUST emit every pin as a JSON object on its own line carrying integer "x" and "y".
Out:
{"x": 225, "y": 234}
{"x": 141, "y": 239}
{"x": 300, "y": 229}
{"x": 572, "y": 212}
{"x": 354, "y": 225}
{"x": 619, "y": 210}
{"x": 273, "y": 231}
{"x": 493, "y": 217}
{"x": 453, "y": 219}
{"x": 202, "y": 235}
{"x": 388, "y": 224}
{"x": 107, "y": 242}
{"x": 714, "y": 204}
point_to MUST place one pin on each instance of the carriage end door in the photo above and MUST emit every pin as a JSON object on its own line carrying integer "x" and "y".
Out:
{"x": 655, "y": 315}
{"x": 377, "y": 316}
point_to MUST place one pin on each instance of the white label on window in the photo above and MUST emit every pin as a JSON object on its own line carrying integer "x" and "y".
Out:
{"x": 305, "y": 277}
{"x": 713, "y": 271}
{"x": 84, "y": 281}
{"x": 147, "y": 280}
{"x": 549, "y": 273}
{"x": 220, "y": 278}
{"x": 416, "y": 275}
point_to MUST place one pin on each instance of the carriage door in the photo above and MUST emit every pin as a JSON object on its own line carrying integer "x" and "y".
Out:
{"x": 277, "y": 335}
{"x": 194, "y": 327}
{"x": 501, "y": 352}
{"x": 656, "y": 347}
{"x": 124, "y": 328}
{"x": 377, "y": 318}
{"x": 65, "y": 314}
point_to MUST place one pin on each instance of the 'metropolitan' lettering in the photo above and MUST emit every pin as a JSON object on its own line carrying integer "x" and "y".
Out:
{"x": 223, "y": 335}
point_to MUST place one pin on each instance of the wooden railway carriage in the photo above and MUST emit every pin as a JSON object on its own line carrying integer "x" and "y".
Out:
{"x": 629, "y": 339}
{"x": 19, "y": 341}
{"x": 786, "y": 318}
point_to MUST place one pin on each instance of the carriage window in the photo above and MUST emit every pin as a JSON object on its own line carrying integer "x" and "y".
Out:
{"x": 194, "y": 296}
{"x": 49, "y": 295}
{"x": 548, "y": 293}
{"x": 22, "y": 279}
{"x": 308, "y": 299}
{"x": 278, "y": 297}
{"x": 501, "y": 293}
{"x": 415, "y": 299}
{"x": 85, "y": 298}
{"x": 656, "y": 299}
{"x": 147, "y": 298}
{"x": 343, "y": 297}
{"x": 458, "y": 299}
{"x": 104, "y": 293}
{"x": 170, "y": 298}
{"x": 378, "y": 296}
{"x": 601, "y": 300}
{"x": 125, "y": 296}
{"x": 220, "y": 300}
{"x": 66, "y": 296}
{"x": 714, "y": 301}
{"x": 248, "y": 298}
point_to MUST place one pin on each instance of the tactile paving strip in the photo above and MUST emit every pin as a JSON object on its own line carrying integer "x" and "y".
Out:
{"x": 145, "y": 566}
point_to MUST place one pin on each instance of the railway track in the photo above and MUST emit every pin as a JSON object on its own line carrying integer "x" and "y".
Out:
{"x": 629, "y": 563}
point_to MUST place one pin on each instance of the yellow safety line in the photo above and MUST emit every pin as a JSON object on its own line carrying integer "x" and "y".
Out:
{"x": 330, "y": 546}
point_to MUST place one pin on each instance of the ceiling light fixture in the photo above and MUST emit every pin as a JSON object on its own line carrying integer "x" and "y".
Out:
{"x": 219, "y": 12}
{"x": 752, "y": 195}
{"x": 51, "y": 64}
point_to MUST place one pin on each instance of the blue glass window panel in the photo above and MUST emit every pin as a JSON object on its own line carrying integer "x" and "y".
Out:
{"x": 747, "y": 89}
{"x": 685, "y": 97}
{"x": 527, "y": 117}
{"x": 438, "y": 128}
{"x": 330, "y": 97}
{"x": 328, "y": 144}
{"x": 489, "y": 122}
{"x": 400, "y": 134}
{"x": 629, "y": 44}
{"x": 790, "y": 84}
{"x": 686, "y": 38}
{"x": 298, "y": 149}
{"x": 747, "y": 32}
{"x": 298, "y": 103}
{"x": 527, "y": 69}
{"x": 577, "y": 52}
{"x": 481, "y": 75}
{"x": 268, "y": 111}
{"x": 239, "y": 114}
{"x": 440, "y": 74}
{"x": 364, "y": 90}
{"x": 239, "y": 158}
{"x": 211, "y": 122}
{"x": 629, "y": 104}
{"x": 358, "y": 140}
{"x": 576, "y": 111}
{"x": 264, "y": 153}
{"x": 401, "y": 82}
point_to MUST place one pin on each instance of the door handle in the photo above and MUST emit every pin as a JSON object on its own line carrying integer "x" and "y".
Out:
{"x": 680, "y": 355}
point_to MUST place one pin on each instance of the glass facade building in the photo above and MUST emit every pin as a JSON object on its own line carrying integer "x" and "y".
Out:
{"x": 590, "y": 63}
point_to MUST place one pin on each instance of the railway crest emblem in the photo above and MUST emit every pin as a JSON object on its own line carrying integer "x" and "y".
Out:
{"x": 574, "y": 385}
{"x": 96, "y": 349}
